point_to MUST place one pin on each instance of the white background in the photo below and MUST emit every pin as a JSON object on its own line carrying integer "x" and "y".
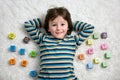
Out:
{"x": 103, "y": 14}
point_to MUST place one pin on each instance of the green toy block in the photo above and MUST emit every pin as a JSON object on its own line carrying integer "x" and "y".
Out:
{"x": 96, "y": 36}
{"x": 33, "y": 53}
{"x": 107, "y": 55}
{"x": 104, "y": 64}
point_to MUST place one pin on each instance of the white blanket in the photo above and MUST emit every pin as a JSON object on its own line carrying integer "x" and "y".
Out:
{"x": 103, "y": 14}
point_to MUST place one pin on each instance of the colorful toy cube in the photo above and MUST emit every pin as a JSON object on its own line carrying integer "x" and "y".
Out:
{"x": 12, "y": 61}
{"x": 22, "y": 51}
{"x": 89, "y": 42}
{"x": 24, "y": 63}
{"x": 26, "y": 39}
{"x": 12, "y": 35}
{"x": 96, "y": 60}
{"x": 104, "y": 64}
{"x": 104, "y": 35}
{"x": 95, "y": 36}
{"x": 90, "y": 65}
{"x": 33, "y": 53}
{"x": 33, "y": 73}
{"x": 81, "y": 56}
{"x": 107, "y": 55}
{"x": 13, "y": 48}
{"x": 90, "y": 51}
{"x": 104, "y": 46}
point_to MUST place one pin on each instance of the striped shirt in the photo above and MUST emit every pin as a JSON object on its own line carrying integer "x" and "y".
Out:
{"x": 56, "y": 55}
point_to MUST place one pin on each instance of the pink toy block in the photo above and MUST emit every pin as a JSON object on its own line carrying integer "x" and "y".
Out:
{"x": 90, "y": 51}
{"x": 104, "y": 46}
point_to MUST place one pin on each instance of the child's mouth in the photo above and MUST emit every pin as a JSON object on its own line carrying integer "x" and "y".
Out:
{"x": 59, "y": 32}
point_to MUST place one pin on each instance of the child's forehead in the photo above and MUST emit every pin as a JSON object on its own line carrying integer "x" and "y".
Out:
{"x": 58, "y": 19}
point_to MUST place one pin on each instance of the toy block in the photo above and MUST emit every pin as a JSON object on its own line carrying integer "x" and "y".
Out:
{"x": 12, "y": 35}
{"x": 96, "y": 60}
{"x": 90, "y": 51}
{"x": 33, "y": 53}
{"x": 107, "y": 55}
{"x": 13, "y": 48}
{"x": 104, "y": 35}
{"x": 90, "y": 65}
{"x": 33, "y": 73}
{"x": 81, "y": 56}
{"x": 95, "y": 36}
{"x": 104, "y": 46}
{"x": 26, "y": 40}
{"x": 89, "y": 42}
{"x": 12, "y": 61}
{"x": 104, "y": 64}
{"x": 22, "y": 51}
{"x": 24, "y": 63}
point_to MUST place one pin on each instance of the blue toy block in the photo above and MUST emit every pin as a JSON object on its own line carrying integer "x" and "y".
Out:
{"x": 22, "y": 51}
{"x": 13, "y": 48}
{"x": 33, "y": 73}
{"x": 90, "y": 65}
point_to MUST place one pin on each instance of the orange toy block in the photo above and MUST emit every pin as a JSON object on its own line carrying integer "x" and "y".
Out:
{"x": 24, "y": 63}
{"x": 81, "y": 56}
{"x": 12, "y": 61}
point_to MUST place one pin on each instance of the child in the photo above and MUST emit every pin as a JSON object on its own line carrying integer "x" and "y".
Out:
{"x": 57, "y": 46}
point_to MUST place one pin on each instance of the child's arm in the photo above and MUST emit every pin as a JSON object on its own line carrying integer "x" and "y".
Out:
{"x": 84, "y": 30}
{"x": 31, "y": 27}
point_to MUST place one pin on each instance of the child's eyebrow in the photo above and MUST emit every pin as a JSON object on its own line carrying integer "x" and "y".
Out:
{"x": 53, "y": 22}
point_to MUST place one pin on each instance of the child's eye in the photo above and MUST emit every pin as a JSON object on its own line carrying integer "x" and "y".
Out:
{"x": 54, "y": 25}
{"x": 62, "y": 24}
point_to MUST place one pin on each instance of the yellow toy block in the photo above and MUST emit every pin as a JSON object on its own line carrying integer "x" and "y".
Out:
{"x": 89, "y": 41}
{"x": 12, "y": 35}
{"x": 96, "y": 60}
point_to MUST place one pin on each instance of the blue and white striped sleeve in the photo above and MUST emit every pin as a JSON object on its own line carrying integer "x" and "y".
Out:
{"x": 31, "y": 27}
{"x": 83, "y": 30}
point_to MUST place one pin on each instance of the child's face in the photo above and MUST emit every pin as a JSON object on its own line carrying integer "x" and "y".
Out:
{"x": 58, "y": 27}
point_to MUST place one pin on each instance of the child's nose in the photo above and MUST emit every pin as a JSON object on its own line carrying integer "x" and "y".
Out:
{"x": 58, "y": 27}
